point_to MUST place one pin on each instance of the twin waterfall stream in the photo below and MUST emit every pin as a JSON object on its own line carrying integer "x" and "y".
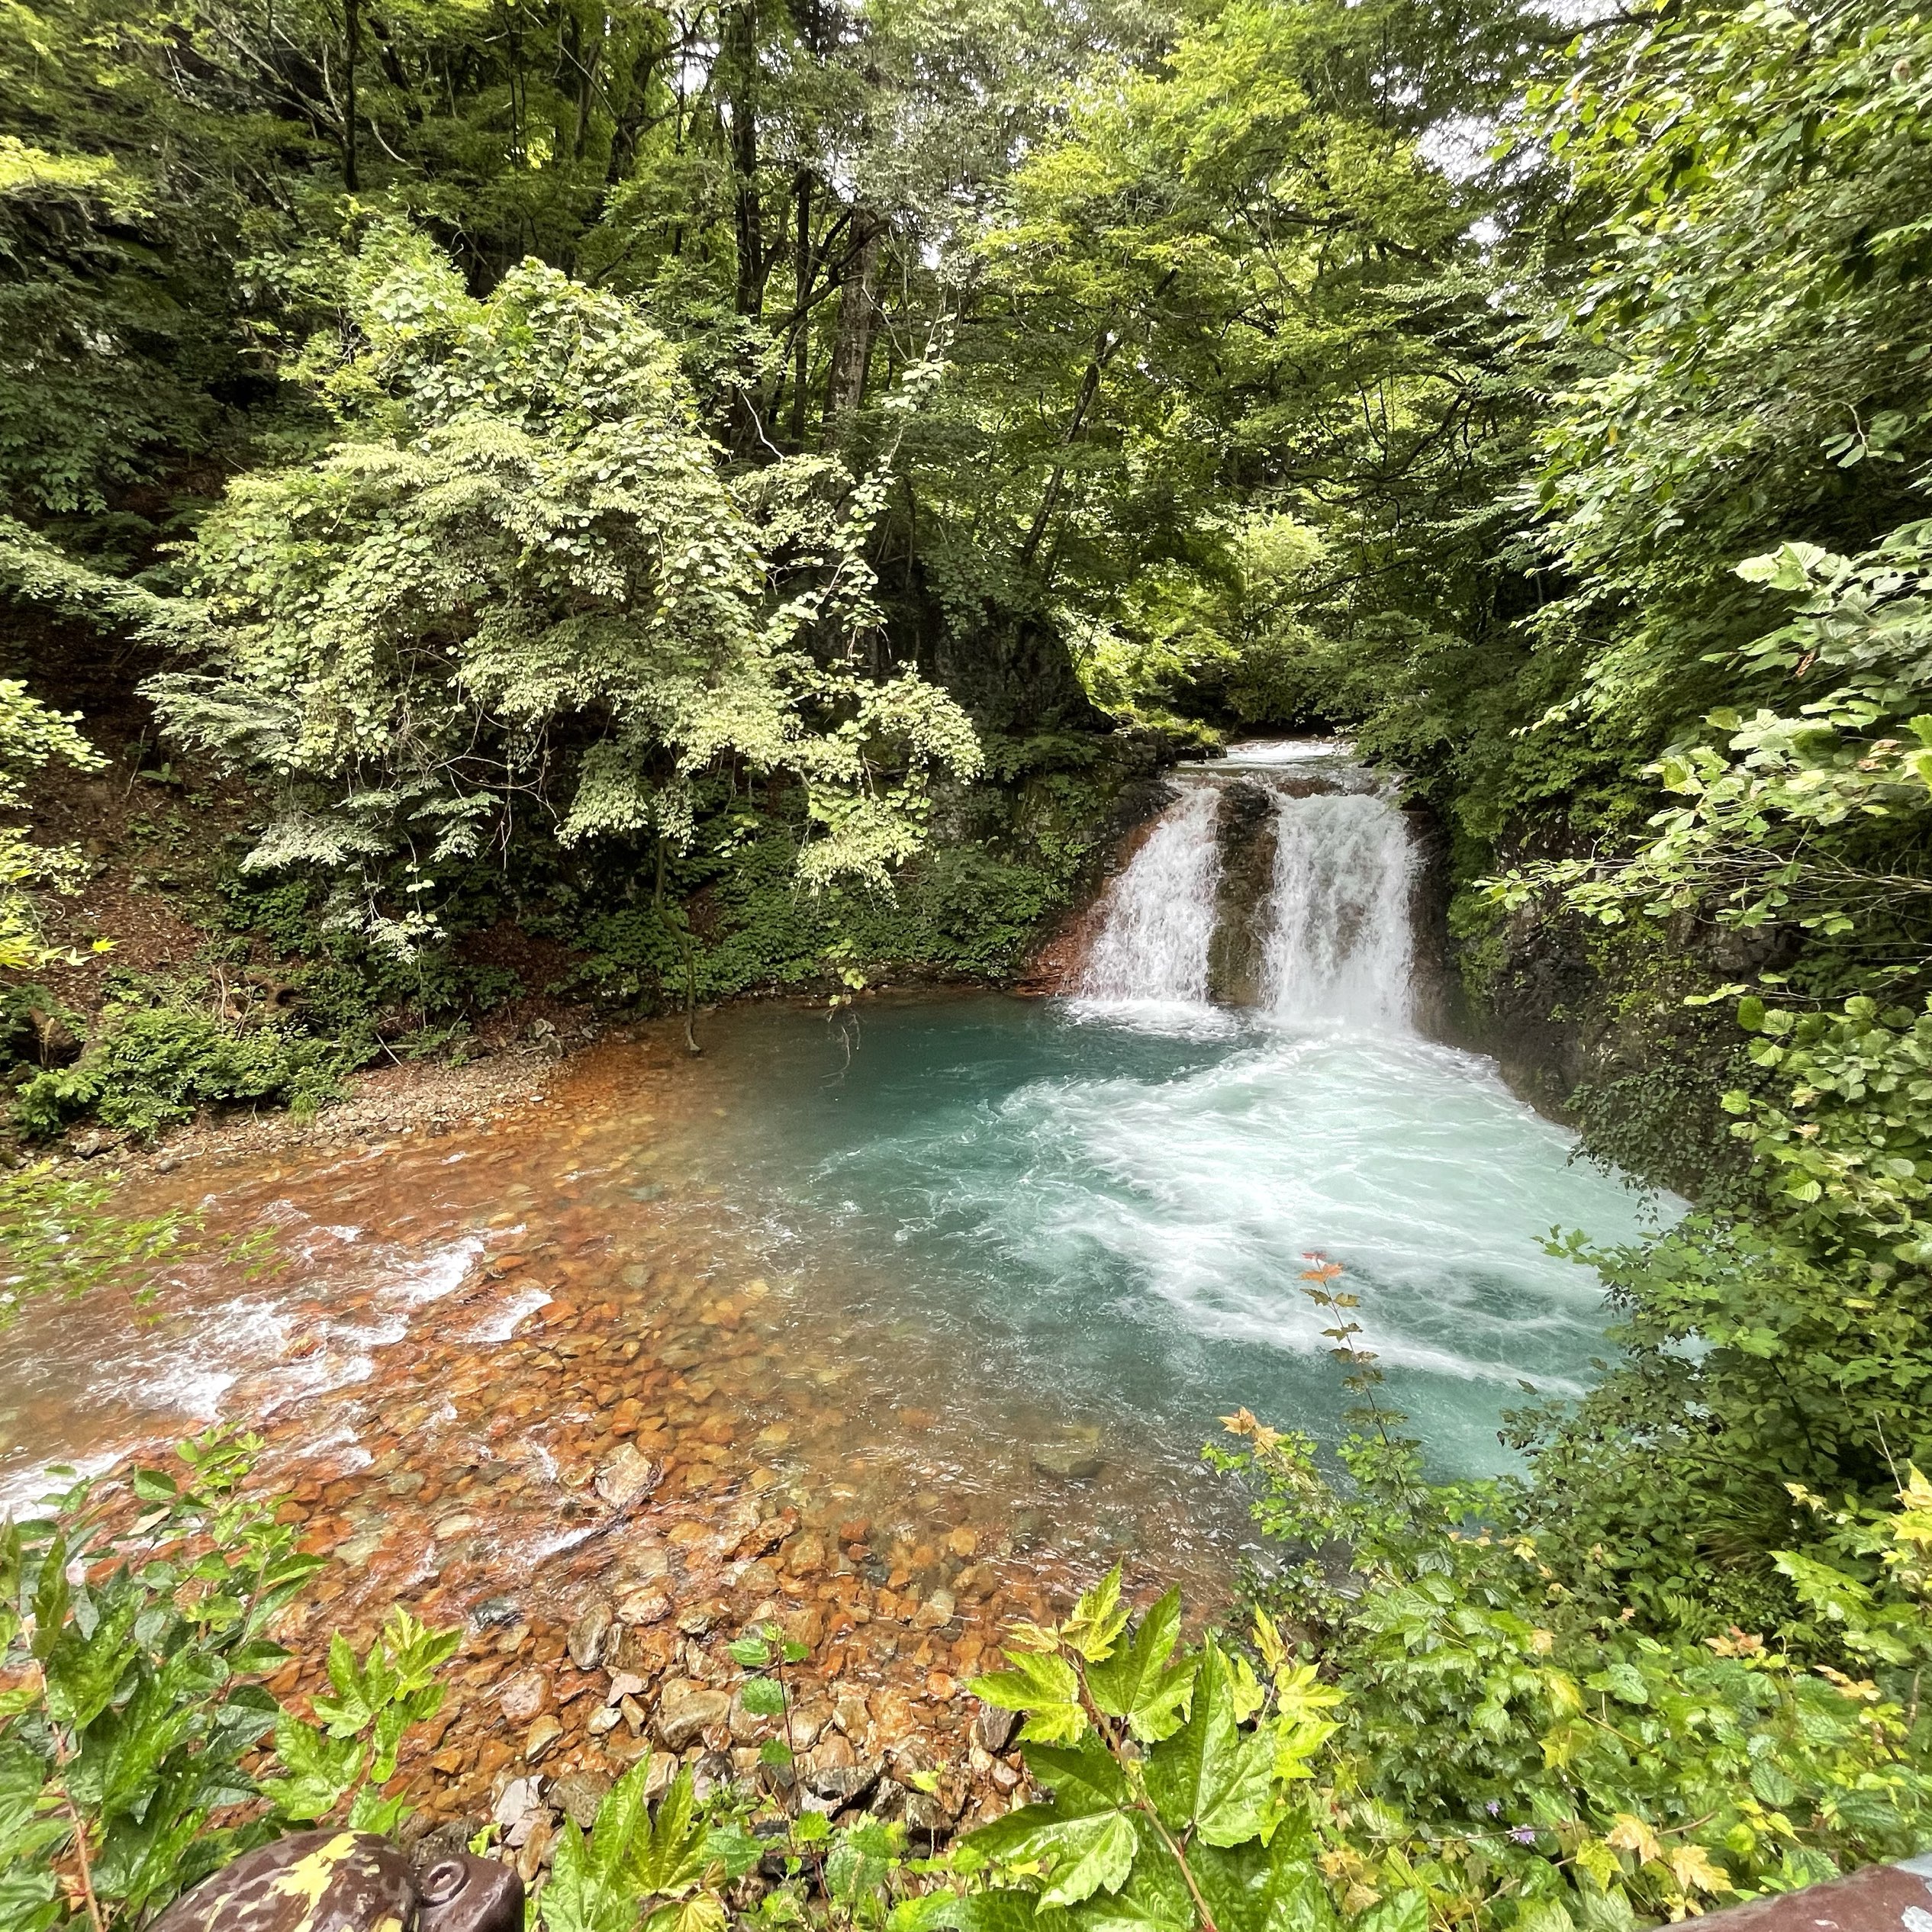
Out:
{"x": 1335, "y": 924}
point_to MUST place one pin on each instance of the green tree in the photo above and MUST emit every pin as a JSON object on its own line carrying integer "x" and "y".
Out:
{"x": 518, "y": 581}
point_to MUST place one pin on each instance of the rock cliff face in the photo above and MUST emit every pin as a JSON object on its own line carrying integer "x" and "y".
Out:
{"x": 1055, "y": 963}
{"x": 1245, "y": 831}
{"x": 1010, "y": 671}
{"x": 1590, "y": 1027}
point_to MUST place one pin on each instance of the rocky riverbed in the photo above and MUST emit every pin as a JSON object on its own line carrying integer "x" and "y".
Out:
{"x": 514, "y": 1370}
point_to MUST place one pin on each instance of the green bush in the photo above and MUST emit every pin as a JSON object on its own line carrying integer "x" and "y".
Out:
{"x": 58, "y": 1235}
{"x": 1789, "y": 1345}
{"x": 1524, "y": 1757}
{"x": 147, "y": 1069}
{"x": 134, "y": 1651}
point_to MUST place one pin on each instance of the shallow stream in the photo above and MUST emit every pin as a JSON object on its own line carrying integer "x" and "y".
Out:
{"x": 977, "y": 1240}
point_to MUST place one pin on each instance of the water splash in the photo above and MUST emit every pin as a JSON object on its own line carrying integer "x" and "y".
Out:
{"x": 1341, "y": 944}
{"x": 1158, "y": 916}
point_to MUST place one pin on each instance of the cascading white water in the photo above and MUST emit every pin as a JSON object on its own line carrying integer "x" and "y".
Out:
{"x": 1339, "y": 947}
{"x": 1158, "y": 916}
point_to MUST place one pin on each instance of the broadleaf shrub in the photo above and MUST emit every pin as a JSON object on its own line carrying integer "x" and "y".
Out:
{"x": 133, "y": 1654}
{"x": 151, "y": 1068}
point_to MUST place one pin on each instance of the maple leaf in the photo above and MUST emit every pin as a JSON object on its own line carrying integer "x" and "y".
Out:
{"x": 1692, "y": 1868}
{"x": 1629, "y": 1833}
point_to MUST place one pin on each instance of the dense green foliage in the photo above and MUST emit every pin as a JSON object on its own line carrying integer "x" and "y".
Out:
{"x": 1525, "y": 1754}
{"x": 720, "y": 488}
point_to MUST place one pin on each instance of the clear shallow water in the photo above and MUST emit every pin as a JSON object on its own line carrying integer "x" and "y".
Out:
{"x": 901, "y": 1263}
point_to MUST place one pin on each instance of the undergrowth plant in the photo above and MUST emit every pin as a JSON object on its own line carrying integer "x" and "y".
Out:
{"x": 139, "y": 1747}
{"x": 1525, "y": 1753}
{"x": 1177, "y": 1779}
{"x": 58, "y": 1235}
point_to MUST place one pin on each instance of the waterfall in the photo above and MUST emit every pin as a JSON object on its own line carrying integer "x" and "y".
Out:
{"x": 1318, "y": 933}
{"x": 1158, "y": 916}
{"x": 1339, "y": 945}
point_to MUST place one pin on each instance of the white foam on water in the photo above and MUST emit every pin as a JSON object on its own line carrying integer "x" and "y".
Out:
{"x": 24, "y": 1492}
{"x": 1410, "y": 1165}
{"x": 206, "y": 1356}
{"x": 1268, "y": 754}
{"x": 501, "y": 1322}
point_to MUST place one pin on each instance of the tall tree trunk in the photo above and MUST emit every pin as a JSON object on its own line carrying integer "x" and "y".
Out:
{"x": 740, "y": 74}
{"x": 858, "y": 322}
{"x": 628, "y": 127}
{"x": 351, "y": 48}
{"x": 801, "y": 348}
{"x": 740, "y": 64}
{"x": 584, "y": 60}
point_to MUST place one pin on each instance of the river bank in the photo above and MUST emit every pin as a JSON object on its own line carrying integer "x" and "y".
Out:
{"x": 888, "y": 1322}
{"x": 889, "y": 1325}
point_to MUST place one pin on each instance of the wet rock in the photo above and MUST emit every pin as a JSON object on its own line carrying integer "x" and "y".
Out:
{"x": 524, "y": 1696}
{"x": 585, "y": 1642}
{"x": 658, "y": 1779}
{"x": 834, "y": 1752}
{"x": 357, "y": 1549}
{"x": 701, "y": 1618}
{"x": 626, "y": 1476}
{"x": 540, "y": 1738}
{"x": 605, "y": 1719}
{"x": 577, "y": 1795}
{"x": 833, "y": 1791}
{"x": 649, "y": 1652}
{"x": 936, "y": 1610}
{"x": 850, "y": 1715}
{"x": 894, "y": 1718}
{"x": 712, "y": 1773}
{"x": 809, "y": 1722}
{"x": 933, "y": 1814}
{"x": 649, "y": 1606}
{"x": 993, "y": 1729}
{"x": 632, "y": 1714}
{"x": 536, "y": 1854}
{"x": 622, "y": 1749}
{"x": 746, "y": 1727}
{"x": 520, "y": 1796}
{"x": 1072, "y": 1462}
{"x": 686, "y": 1710}
{"x": 624, "y": 1684}
{"x": 1025, "y": 1531}
{"x": 1245, "y": 832}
